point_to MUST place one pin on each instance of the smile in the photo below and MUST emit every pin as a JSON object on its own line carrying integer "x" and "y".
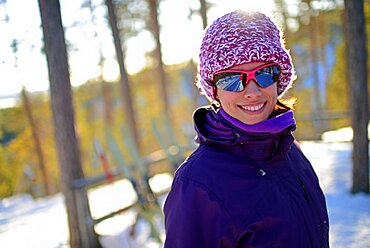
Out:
{"x": 253, "y": 108}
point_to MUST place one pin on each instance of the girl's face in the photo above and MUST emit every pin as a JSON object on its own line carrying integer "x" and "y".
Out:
{"x": 252, "y": 105}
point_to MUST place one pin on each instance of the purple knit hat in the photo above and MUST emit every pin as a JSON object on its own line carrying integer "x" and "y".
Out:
{"x": 239, "y": 38}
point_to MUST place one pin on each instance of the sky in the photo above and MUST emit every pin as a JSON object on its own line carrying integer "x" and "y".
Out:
{"x": 180, "y": 37}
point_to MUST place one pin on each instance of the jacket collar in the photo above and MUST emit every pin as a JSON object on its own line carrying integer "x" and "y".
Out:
{"x": 272, "y": 125}
{"x": 269, "y": 139}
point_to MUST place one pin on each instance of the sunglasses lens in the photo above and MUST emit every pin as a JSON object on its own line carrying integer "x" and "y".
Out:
{"x": 230, "y": 81}
{"x": 264, "y": 80}
{"x": 236, "y": 81}
{"x": 267, "y": 76}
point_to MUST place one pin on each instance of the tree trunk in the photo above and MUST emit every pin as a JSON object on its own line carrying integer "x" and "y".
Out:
{"x": 282, "y": 9}
{"x": 323, "y": 40}
{"x": 108, "y": 103}
{"x": 106, "y": 89}
{"x": 126, "y": 90}
{"x": 80, "y": 234}
{"x": 314, "y": 50}
{"x": 203, "y": 12}
{"x": 37, "y": 142}
{"x": 357, "y": 56}
{"x": 154, "y": 25}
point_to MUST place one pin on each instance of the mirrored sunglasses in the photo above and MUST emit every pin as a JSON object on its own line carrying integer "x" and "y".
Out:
{"x": 236, "y": 80}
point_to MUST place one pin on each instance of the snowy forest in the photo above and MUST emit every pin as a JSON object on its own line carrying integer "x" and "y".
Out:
{"x": 138, "y": 123}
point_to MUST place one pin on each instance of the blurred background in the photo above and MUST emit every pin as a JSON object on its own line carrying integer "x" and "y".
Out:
{"x": 132, "y": 73}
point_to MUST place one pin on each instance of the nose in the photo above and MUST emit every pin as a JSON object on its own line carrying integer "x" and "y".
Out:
{"x": 252, "y": 89}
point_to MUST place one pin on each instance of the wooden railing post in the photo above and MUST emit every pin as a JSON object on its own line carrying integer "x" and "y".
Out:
{"x": 85, "y": 221}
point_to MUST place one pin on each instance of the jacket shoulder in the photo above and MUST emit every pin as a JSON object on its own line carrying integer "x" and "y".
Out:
{"x": 226, "y": 177}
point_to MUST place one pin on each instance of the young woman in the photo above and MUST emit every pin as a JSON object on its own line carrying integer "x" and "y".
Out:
{"x": 247, "y": 184}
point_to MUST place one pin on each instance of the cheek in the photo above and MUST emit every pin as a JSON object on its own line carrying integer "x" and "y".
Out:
{"x": 271, "y": 92}
{"x": 226, "y": 97}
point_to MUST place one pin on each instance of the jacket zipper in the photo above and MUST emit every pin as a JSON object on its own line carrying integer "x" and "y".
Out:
{"x": 308, "y": 197}
{"x": 306, "y": 194}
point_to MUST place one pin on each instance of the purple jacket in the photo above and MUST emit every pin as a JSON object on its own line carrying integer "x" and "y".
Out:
{"x": 245, "y": 186}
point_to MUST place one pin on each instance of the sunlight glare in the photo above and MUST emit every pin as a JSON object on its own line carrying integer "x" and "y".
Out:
{"x": 110, "y": 70}
{"x": 181, "y": 36}
{"x": 137, "y": 47}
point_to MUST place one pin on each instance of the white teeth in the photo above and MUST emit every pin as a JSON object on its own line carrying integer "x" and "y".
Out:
{"x": 253, "y": 108}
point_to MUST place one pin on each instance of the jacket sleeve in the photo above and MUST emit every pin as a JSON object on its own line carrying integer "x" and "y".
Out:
{"x": 195, "y": 218}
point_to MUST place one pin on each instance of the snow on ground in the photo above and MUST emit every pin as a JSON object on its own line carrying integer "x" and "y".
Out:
{"x": 42, "y": 223}
{"x": 344, "y": 134}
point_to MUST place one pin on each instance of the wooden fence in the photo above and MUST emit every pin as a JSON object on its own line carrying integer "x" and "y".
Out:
{"x": 144, "y": 203}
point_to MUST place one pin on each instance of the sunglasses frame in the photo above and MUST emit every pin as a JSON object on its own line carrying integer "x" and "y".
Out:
{"x": 250, "y": 74}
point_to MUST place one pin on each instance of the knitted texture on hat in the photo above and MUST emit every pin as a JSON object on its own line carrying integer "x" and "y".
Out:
{"x": 239, "y": 38}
